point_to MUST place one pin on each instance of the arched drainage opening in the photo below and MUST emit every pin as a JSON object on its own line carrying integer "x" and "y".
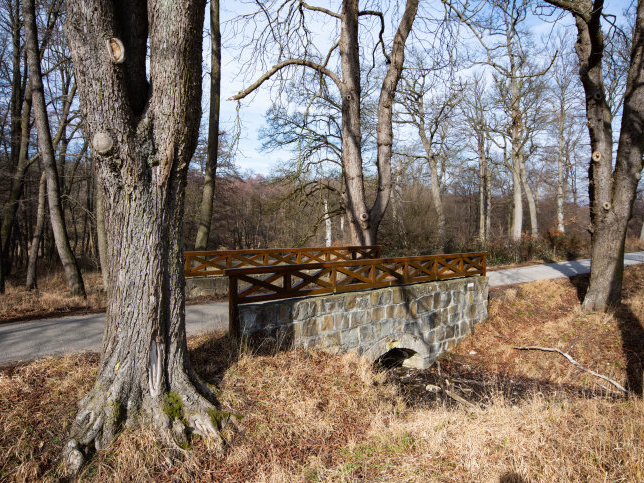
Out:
{"x": 394, "y": 358}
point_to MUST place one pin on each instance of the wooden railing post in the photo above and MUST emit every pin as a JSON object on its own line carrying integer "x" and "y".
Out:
{"x": 233, "y": 309}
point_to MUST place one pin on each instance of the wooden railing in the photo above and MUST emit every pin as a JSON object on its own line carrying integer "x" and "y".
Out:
{"x": 213, "y": 263}
{"x": 258, "y": 284}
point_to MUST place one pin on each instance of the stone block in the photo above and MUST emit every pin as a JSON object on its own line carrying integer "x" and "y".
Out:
{"x": 366, "y": 333}
{"x": 385, "y": 296}
{"x": 425, "y": 303}
{"x": 350, "y": 301}
{"x": 329, "y": 340}
{"x": 341, "y": 321}
{"x": 397, "y": 295}
{"x": 350, "y": 338}
{"x": 309, "y": 327}
{"x": 400, "y": 311}
{"x": 326, "y": 323}
{"x": 357, "y": 318}
{"x": 379, "y": 313}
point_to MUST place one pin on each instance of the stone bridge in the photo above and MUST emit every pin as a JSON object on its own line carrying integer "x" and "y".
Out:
{"x": 415, "y": 322}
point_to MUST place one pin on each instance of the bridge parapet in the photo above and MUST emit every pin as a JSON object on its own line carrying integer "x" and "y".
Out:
{"x": 423, "y": 319}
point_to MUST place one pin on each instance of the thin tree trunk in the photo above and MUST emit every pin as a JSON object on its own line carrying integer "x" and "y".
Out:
{"x": 488, "y": 200}
{"x": 31, "y": 283}
{"x": 517, "y": 206}
{"x": 532, "y": 206}
{"x": 208, "y": 193}
{"x": 560, "y": 170}
{"x": 483, "y": 187}
{"x": 72, "y": 272}
{"x": 642, "y": 233}
{"x": 328, "y": 238}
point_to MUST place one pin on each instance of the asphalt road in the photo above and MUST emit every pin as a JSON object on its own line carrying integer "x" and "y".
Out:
{"x": 77, "y": 333}
{"x": 29, "y": 340}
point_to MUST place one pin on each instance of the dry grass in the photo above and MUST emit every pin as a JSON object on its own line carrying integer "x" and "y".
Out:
{"x": 52, "y": 298}
{"x": 316, "y": 417}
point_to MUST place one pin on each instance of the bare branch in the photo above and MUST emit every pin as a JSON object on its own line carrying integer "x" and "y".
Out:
{"x": 277, "y": 67}
{"x": 574, "y": 363}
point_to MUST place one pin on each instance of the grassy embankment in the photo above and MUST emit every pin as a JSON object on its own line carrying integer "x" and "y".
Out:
{"x": 529, "y": 416}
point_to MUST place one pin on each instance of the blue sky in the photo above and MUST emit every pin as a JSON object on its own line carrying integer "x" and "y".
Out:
{"x": 250, "y": 156}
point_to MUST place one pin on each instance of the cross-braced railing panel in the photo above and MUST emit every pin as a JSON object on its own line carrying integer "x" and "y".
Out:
{"x": 285, "y": 281}
{"x": 258, "y": 284}
{"x": 214, "y": 263}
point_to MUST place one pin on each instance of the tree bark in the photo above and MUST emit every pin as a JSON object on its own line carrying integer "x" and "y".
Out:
{"x": 517, "y": 206}
{"x": 529, "y": 195}
{"x": 142, "y": 143}
{"x": 328, "y": 234}
{"x": 560, "y": 166}
{"x": 384, "y": 129}
{"x": 101, "y": 233}
{"x": 208, "y": 193}
{"x": 31, "y": 282}
{"x": 72, "y": 272}
{"x": 612, "y": 191}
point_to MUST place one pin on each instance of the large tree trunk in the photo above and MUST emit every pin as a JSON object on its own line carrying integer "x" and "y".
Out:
{"x": 72, "y": 272}
{"x": 355, "y": 201}
{"x": 384, "y": 129}
{"x": 364, "y": 223}
{"x": 35, "y": 243}
{"x": 208, "y": 192}
{"x": 142, "y": 141}
{"x": 328, "y": 233}
{"x": 612, "y": 192}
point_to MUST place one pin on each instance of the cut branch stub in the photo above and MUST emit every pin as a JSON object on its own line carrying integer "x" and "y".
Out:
{"x": 102, "y": 143}
{"x": 597, "y": 156}
{"x": 606, "y": 205}
{"x": 116, "y": 50}
{"x": 364, "y": 216}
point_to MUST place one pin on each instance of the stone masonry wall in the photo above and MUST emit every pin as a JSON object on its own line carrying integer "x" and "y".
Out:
{"x": 426, "y": 318}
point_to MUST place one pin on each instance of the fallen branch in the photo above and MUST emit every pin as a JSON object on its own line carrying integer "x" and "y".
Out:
{"x": 575, "y": 363}
{"x": 458, "y": 398}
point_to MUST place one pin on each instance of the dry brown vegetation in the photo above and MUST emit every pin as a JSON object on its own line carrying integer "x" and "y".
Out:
{"x": 318, "y": 417}
{"x": 52, "y": 297}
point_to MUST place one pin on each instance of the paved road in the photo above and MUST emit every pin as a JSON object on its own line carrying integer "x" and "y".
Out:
{"x": 547, "y": 271}
{"x": 77, "y": 333}
{"x": 40, "y": 338}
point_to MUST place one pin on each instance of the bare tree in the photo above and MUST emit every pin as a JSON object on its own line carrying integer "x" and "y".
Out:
{"x": 475, "y": 109}
{"x": 430, "y": 112}
{"x": 364, "y": 221}
{"x": 612, "y": 190}
{"x": 56, "y": 215}
{"x": 210, "y": 172}
{"x": 142, "y": 140}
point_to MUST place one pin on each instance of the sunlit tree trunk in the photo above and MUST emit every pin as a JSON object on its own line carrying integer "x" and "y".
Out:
{"x": 35, "y": 243}
{"x": 56, "y": 215}
{"x": 210, "y": 175}
{"x": 143, "y": 139}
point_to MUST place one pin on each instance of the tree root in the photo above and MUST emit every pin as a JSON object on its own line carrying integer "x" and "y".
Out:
{"x": 176, "y": 415}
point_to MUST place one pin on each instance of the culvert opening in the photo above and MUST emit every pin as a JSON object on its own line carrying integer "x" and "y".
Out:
{"x": 394, "y": 358}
